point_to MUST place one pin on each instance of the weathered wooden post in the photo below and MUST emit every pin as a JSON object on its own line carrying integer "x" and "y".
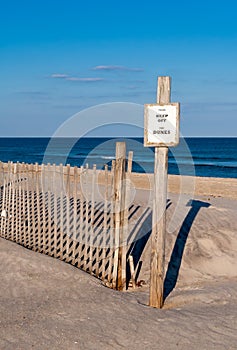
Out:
{"x": 161, "y": 130}
{"x": 119, "y": 280}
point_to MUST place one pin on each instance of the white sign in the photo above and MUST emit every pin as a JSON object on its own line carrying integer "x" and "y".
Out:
{"x": 161, "y": 125}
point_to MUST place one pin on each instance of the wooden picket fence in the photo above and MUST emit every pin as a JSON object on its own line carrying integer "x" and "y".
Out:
{"x": 78, "y": 215}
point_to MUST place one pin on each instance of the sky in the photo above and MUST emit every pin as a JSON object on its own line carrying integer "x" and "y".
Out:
{"x": 58, "y": 58}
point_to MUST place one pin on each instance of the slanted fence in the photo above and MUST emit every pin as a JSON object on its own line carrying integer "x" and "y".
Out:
{"x": 80, "y": 215}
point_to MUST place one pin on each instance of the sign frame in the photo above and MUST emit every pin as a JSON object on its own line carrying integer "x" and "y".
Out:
{"x": 148, "y": 143}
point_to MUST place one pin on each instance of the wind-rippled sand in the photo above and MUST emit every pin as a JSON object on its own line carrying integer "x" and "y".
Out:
{"x": 48, "y": 304}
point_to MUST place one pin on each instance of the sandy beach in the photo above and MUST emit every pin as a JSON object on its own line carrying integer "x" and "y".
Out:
{"x": 100, "y": 249}
{"x": 48, "y": 304}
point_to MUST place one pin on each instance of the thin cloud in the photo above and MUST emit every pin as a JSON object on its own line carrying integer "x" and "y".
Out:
{"x": 59, "y": 76}
{"x": 116, "y": 68}
{"x": 70, "y": 78}
{"x": 85, "y": 79}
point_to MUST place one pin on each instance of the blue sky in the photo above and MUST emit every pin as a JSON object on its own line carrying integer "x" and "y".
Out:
{"x": 58, "y": 57}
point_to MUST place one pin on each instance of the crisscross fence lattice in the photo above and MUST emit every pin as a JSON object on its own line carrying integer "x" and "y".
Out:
{"x": 70, "y": 213}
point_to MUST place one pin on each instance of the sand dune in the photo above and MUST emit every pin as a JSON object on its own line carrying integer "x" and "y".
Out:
{"x": 48, "y": 304}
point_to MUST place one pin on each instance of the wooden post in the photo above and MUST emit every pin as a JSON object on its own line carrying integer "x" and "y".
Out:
{"x": 119, "y": 201}
{"x": 159, "y": 209}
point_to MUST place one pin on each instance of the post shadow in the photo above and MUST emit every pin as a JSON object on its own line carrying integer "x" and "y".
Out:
{"x": 137, "y": 247}
{"x": 178, "y": 250}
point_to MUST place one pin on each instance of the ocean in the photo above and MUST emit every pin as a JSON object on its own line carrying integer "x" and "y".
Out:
{"x": 209, "y": 157}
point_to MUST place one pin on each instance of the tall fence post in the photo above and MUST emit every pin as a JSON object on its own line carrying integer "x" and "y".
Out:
{"x": 119, "y": 207}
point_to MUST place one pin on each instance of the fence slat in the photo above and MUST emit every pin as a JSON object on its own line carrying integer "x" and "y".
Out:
{"x": 55, "y": 210}
{"x": 93, "y": 238}
{"x": 9, "y": 203}
{"x": 24, "y": 202}
{"x": 68, "y": 195}
{"x": 132, "y": 271}
{"x": 41, "y": 209}
{"x": 105, "y": 223}
{"x": 126, "y": 211}
{"x": 74, "y": 233}
{"x": 87, "y": 236}
{"x": 27, "y": 218}
{"x": 15, "y": 204}
{"x": 3, "y": 199}
{"x": 48, "y": 205}
{"x": 61, "y": 209}
{"x": 110, "y": 251}
{"x": 81, "y": 240}
{"x": 32, "y": 219}
{"x": 37, "y": 233}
